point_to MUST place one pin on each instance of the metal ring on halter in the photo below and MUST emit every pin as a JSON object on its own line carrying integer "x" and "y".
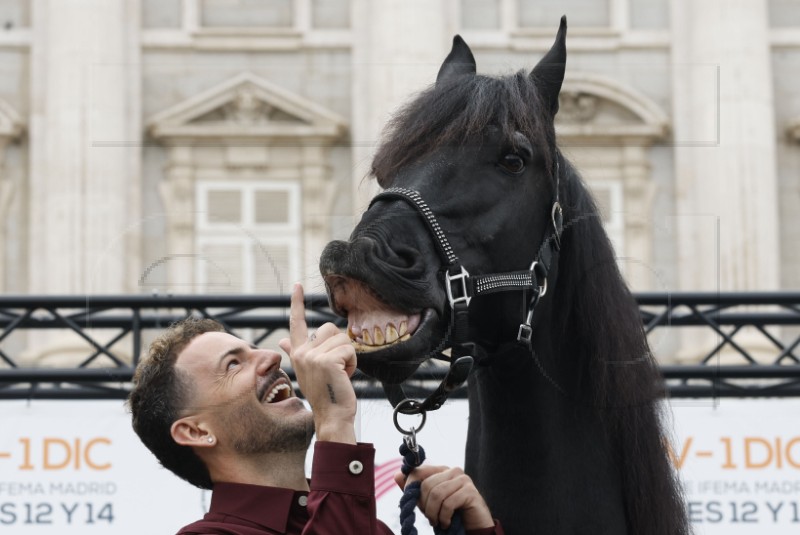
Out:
{"x": 557, "y": 225}
{"x": 542, "y": 288}
{"x": 399, "y": 409}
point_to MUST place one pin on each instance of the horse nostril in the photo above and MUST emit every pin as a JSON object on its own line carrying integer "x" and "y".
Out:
{"x": 406, "y": 257}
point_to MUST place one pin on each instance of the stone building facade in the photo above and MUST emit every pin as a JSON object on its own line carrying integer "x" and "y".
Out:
{"x": 216, "y": 145}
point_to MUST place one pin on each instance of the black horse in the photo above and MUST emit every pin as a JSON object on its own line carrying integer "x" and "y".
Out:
{"x": 565, "y": 431}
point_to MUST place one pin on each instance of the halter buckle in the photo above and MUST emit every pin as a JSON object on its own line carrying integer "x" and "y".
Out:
{"x": 462, "y": 296}
{"x": 525, "y": 334}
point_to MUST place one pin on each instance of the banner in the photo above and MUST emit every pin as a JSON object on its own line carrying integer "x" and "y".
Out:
{"x": 740, "y": 464}
{"x": 76, "y": 467}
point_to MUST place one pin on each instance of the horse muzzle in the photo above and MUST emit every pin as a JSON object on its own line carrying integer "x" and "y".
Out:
{"x": 394, "y": 320}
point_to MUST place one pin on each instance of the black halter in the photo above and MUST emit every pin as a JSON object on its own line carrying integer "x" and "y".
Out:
{"x": 461, "y": 287}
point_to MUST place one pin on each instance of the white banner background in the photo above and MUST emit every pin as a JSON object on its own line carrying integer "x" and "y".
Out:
{"x": 77, "y": 467}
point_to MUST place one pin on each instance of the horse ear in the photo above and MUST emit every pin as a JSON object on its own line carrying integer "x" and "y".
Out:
{"x": 458, "y": 62}
{"x": 549, "y": 72}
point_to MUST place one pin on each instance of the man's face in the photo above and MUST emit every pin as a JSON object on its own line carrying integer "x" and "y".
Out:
{"x": 247, "y": 399}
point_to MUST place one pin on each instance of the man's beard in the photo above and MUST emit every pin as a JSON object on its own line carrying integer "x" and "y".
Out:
{"x": 254, "y": 431}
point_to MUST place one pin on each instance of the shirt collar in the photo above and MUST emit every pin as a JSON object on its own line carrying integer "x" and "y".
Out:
{"x": 270, "y": 507}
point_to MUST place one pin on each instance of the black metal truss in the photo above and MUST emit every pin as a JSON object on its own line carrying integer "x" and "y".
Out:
{"x": 115, "y": 328}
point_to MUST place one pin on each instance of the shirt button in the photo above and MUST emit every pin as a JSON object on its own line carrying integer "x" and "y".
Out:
{"x": 303, "y": 501}
{"x": 356, "y": 467}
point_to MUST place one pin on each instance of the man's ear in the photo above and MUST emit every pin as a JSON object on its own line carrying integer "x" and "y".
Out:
{"x": 187, "y": 432}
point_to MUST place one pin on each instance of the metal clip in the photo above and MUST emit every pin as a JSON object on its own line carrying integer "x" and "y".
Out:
{"x": 411, "y": 443}
{"x": 525, "y": 333}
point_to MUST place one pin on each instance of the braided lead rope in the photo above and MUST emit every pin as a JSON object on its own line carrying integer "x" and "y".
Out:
{"x": 408, "y": 502}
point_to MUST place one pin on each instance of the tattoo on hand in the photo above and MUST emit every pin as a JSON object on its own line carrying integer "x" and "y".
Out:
{"x": 331, "y": 394}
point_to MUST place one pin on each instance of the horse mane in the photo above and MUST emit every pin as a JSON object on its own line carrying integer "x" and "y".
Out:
{"x": 455, "y": 112}
{"x": 604, "y": 344}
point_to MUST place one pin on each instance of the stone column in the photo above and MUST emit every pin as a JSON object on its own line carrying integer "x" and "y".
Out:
{"x": 724, "y": 131}
{"x": 178, "y": 193}
{"x": 398, "y": 46}
{"x": 85, "y": 135}
{"x": 85, "y": 147}
{"x": 725, "y": 146}
{"x": 6, "y": 192}
{"x": 639, "y": 193}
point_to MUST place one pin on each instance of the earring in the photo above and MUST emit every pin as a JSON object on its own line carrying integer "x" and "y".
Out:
{"x": 210, "y": 440}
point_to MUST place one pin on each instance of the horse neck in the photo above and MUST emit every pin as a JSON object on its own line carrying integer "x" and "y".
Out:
{"x": 534, "y": 433}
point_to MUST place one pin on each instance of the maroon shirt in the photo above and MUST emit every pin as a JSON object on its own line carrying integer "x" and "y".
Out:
{"x": 341, "y": 501}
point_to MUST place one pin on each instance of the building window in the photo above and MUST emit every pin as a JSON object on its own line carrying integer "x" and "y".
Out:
{"x": 480, "y": 14}
{"x": 784, "y": 13}
{"x": 247, "y": 237}
{"x": 247, "y": 13}
{"x": 583, "y": 13}
{"x": 330, "y": 14}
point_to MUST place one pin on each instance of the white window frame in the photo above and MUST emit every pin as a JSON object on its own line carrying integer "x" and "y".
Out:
{"x": 247, "y": 231}
{"x": 301, "y": 20}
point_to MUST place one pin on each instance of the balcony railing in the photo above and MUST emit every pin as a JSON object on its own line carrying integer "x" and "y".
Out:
{"x": 115, "y": 329}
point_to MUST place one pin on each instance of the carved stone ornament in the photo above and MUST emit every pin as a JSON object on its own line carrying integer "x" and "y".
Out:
{"x": 576, "y": 106}
{"x": 246, "y": 108}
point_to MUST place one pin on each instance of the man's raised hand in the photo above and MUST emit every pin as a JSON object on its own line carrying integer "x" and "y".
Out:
{"x": 324, "y": 363}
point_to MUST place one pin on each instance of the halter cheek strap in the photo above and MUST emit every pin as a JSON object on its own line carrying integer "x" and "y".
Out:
{"x": 461, "y": 286}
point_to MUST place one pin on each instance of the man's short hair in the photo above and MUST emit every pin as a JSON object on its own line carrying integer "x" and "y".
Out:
{"x": 160, "y": 391}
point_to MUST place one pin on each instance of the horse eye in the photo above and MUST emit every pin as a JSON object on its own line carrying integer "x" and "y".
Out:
{"x": 512, "y": 164}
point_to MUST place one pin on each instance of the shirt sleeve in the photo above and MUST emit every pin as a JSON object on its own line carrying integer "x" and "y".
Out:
{"x": 342, "y": 491}
{"x": 496, "y": 530}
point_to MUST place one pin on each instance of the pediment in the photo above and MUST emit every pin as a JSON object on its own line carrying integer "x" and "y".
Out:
{"x": 246, "y": 106}
{"x": 595, "y": 106}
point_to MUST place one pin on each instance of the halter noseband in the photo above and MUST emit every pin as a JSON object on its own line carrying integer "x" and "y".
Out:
{"x": 461, "y": 287}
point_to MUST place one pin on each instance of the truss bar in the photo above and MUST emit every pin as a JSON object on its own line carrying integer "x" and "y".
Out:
{"x": 119, "y": 316}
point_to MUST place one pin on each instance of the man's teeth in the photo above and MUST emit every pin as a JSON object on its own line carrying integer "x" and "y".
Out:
{"x": 282, "y": 388}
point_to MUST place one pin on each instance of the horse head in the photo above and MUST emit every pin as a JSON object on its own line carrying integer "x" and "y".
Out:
{"x": 480, "y": 152}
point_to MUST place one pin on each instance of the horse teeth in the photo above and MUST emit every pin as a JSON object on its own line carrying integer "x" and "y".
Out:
{"x": 366, "y": 337}
{"x": 379, "y": 338}
{"x": 361, "y": 348}
{"x": 405, "y": 337}
{"x": 403, "y": 327}
{"x": 391, "y": 334}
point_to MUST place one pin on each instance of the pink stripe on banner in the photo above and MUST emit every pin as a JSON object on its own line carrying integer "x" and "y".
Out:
{"x": 392, "y": 465}
{"x": 386, "y": 488}
{"x": 384, "y": 476}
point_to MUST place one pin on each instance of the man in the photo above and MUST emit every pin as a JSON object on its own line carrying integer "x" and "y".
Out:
{"x": 222, "y": 415}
